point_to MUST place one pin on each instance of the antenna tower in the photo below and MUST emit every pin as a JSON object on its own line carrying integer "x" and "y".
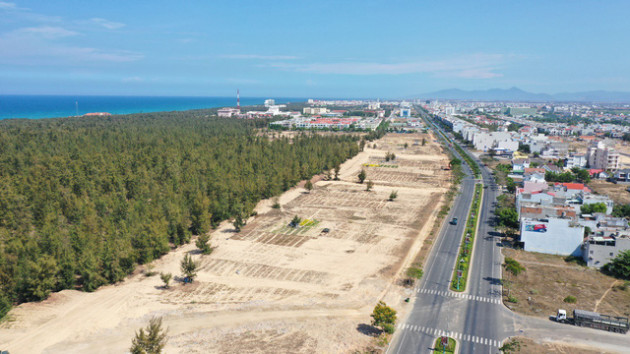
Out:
{"x": 238, "y": 100}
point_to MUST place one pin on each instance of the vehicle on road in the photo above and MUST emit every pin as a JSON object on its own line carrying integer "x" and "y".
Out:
{"x": 454, "y": 221}
{"x": 596, "y": 320}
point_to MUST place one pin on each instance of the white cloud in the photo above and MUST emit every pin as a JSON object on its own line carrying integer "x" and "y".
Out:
{"x": 132, "y": 79}
{"x": 105, "y": 23}
{"x": 260, "y": 57}
{"x": 7, "y": 6}
{"x": 42, "y": 46}
{"x": 48, "y": 32}
{"x": 475, "y": 66}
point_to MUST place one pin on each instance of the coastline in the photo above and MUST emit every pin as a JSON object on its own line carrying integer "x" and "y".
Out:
{"x": 62, "y": 106}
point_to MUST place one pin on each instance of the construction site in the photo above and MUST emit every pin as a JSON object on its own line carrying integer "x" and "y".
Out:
{"x": 272, "y": 286}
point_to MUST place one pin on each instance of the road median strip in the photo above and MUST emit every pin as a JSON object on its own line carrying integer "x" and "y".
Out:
{"x": 459, "y": 279}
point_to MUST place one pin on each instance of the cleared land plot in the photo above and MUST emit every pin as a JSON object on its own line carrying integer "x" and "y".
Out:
{"x": 529, "y": 346}
{"x": 269, "y": 288}
{"x": 617, "y": 192}
{"x": 548, "y": 280}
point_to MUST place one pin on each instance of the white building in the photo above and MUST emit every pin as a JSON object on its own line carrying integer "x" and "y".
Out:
{"x": 228, "y": 112}
{"x": 315, "y": 110}
{"x": 270, "y": 102}
{"x": 602, "y": 157}
{"x": 552, "y": 236}
{"x": 374, "y": 105}
{"x": 575, "y": 161}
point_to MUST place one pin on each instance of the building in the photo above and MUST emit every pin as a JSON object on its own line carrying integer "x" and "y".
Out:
{"x": 374, "y": 105}
{"x": 553, "y": 236}
{"x": 228, "y": 112}
{"x": 602, "y": 157}
{"x": 315, "y": 110}
{"x": 270, "y": 102}
{"x": 599, "y": 250}
{"x": 622, "y": 175}
{"x": 405, "y": 112}
{"x": 575, "y": 161}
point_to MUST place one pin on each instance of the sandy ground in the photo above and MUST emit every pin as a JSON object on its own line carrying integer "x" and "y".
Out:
{"x": 269, "y": 288}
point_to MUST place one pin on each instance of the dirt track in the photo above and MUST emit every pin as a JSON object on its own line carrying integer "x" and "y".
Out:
{"x": 269, "y": 288}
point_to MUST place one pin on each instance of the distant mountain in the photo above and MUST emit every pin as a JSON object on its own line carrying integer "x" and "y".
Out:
{"x": 516, "y": 94}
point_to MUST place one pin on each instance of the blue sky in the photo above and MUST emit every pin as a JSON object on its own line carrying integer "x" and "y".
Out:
{"x": 311, "y": 48}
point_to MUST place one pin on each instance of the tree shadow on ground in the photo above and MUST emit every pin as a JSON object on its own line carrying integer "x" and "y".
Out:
{"x": 368, "y": 330}
{"x": 493, "y": 281}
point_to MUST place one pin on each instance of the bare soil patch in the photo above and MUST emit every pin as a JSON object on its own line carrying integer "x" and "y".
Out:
{"x": 617, "y": 192}
{"x": 549, "y": 279}
{"x": 529, "y": 346}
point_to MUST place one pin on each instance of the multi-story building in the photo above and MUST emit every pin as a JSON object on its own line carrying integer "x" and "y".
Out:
{"x": 601, "y": 156}
{"x": 315, "y": 110}
{"x": 575, "y": 161}
{"x": 599, "y": 250}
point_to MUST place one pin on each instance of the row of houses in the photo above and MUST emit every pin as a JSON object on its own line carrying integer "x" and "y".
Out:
{"x": 552, "y": 220}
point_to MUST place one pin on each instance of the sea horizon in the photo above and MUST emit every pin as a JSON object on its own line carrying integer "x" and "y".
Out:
{"x": 59, "y": 106}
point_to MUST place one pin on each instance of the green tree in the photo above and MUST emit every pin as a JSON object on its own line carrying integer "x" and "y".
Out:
{"x": 383, "y": 316}
{"x": 619, "y": 267}
{"x": 581, "y": 175}
{"x": 189, "y": 268}
{"x": 362, "y": 175}
{"x": 393, "y": 195}
{"x": 308, "y": 185}
{"x": 150, "y": 342}
{"x": 369, "y": 185}
{"x": 415, "y": 272}
{"x": 238, "y": 222}
{"x": 202, "y": 244}
{"x": 337, "y": 168}
{"x": 424, "y": 141}
{"x": 510, "y": 185}
{"x": 593, "y": 208}
{"x": 166, "y": 279}
{"x": 507, "y": 217}
{"x": 38, "y": 279}
{"x": 5, "y": 304}
{"x": 295, "y": 222}
{"x": 512, "y": 266}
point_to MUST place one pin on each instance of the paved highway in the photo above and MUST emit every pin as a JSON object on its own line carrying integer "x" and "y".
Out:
{"x": 476, "y": 318}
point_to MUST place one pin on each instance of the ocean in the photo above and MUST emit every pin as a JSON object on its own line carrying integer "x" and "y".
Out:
{"x": 33, "y": 107}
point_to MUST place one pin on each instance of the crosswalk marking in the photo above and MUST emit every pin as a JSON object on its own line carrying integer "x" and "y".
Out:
{"x": 458, "y": 336}
{"x": 492, "y": 300}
